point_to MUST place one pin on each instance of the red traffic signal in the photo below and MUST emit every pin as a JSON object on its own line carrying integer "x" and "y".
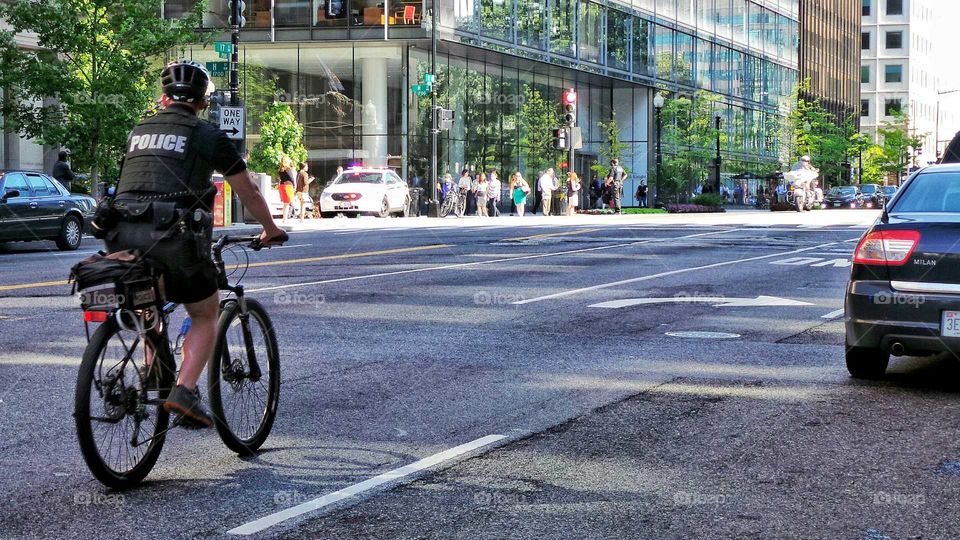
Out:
{"x": 570, "y": 97}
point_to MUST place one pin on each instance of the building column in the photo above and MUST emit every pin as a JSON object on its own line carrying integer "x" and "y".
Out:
{"x": 374, "y": 117}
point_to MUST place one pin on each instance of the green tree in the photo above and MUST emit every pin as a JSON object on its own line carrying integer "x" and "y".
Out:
{"x": 897, "y": 146}
{"x": 689, "y": 137}
{"x": 258, "y": 88}
{"x": 611, "y": 148}
{"x": 816, "y": 132}
{"x": 94, "y": 75}
{"x": 538, "y": 118}
{"x": 281, "y": 135}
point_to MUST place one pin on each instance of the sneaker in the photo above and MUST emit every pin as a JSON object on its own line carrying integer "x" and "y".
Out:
{"x": 186, "y": 404}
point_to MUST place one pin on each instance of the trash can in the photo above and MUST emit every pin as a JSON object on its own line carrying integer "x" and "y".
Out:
{"x": 416, "y": 195}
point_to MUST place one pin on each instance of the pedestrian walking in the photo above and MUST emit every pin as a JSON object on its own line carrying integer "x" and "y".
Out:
{"x": 62, "y": 172}
{"x": 288, "y": 180}
{"x": 481, "y": 194}
{"x": 302, "y": 192}
{"x": 619, "y": 176}
{"x": 546, "y": 186}
{"x": 641, "y": 194}
{"x": 465, "y": 184}
{"x": 494, "y": 192}
{"x": 519, "y": 189}
{"x": 573, "y": 193}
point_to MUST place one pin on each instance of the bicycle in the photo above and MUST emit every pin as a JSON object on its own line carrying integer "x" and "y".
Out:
{"x": 455, "y": 201}
{"x": 128, "y": 400}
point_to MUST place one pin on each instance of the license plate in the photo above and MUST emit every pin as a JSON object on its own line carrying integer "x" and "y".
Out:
{"x": 346, "y": 207}
{"x": 837, "y": 205}
{"x": 950, "y": 324}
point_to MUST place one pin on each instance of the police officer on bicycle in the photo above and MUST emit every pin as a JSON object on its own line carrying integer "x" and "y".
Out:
{"x": 163, "y": 205}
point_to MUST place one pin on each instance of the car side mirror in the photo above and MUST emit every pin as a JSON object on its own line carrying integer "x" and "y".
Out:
{"x": 10, "y": 194}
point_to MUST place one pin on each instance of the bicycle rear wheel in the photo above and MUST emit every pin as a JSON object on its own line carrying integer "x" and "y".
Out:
{"x": 244, "y": 400}
{"x": 121, "y": 425}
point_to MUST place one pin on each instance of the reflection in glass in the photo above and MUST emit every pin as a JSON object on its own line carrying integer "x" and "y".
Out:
{"x": 618, "y": 39}
{"x": 589, "y": 30}
{"x": 531, "y": 18}
{"x": 496, "y": 19}
{"x": 642, "y": 46}
{"x": 663, "y": 52}
{"x": 562, "y": 17}
{"x": 684, "y": 59}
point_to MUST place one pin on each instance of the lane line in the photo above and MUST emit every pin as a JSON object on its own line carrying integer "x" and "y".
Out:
{"x": 665, "y": 274}
{"x": 350, "y": 255}
{"x": 477, "y": 263}
{"x": 548, "y": 235}
{"x": 833, "y": 314}
{"x": 32, "y": 285}
{"x": 396, "y": 475}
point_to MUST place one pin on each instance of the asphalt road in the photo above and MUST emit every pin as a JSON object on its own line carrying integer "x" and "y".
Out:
{"x": 514, "y": 378}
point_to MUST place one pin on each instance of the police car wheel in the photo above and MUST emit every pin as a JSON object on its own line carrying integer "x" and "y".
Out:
{"x": 71, "y": 233}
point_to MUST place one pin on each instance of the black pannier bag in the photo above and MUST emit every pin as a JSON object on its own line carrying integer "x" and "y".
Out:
{"x": 119, "y": 281}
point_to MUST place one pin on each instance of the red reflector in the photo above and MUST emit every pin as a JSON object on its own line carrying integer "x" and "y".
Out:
{"x": 95, "y": 316}
{"x": 886, "y": 248}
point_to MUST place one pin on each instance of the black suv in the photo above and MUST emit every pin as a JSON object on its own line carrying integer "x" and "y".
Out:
{"x": 34, "y": 207}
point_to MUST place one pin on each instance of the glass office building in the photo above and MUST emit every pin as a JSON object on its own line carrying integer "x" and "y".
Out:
{"x": 830, "y": 54}
{"x": 347, "y": 66}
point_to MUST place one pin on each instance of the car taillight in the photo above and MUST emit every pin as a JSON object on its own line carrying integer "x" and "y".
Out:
{"x": 886, "y": 248}
{"x": 95, "y": 316}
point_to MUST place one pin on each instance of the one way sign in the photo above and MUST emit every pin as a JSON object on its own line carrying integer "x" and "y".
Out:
{"x": 232, "y": 122}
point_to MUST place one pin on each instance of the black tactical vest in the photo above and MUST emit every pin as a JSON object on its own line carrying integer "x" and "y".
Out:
{"x": 164, "y": 155}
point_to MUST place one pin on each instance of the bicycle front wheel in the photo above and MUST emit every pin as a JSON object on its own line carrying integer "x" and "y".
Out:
{"x": 121, "y": 425}
{"x": 244, "y": 377}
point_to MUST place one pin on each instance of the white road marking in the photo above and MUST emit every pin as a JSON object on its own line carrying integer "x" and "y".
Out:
{"x": 478, "y": 263}
{"x": 836, "y": 263}
{"x": 715, "y": 301}
{"x": 356, "y": 489}
{"x": 833, "y": 314}
{"x": 665, "y": 274}
{"x": 798, "y": 261}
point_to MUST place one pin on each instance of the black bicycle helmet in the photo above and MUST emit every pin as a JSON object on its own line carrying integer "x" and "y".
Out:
{"x": 185, "y": 81}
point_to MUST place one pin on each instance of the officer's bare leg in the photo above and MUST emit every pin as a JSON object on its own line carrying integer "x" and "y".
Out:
{"x": 198, "y": 345}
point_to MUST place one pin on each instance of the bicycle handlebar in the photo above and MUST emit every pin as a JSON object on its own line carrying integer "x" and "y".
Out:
{"x": 253, "y": 242}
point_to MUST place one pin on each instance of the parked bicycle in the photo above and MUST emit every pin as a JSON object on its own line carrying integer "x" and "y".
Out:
{"x": 455, "y": 201}
{"x": 120, "y": 419}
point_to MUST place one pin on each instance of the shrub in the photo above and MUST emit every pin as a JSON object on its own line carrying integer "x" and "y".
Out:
{"x": 644, "y": 211}
{"x": 692, "y": 209}
{"x": 708, "y": 199}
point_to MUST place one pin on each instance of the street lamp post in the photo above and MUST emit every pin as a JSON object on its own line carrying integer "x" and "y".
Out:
{"x": 658, "y": 106}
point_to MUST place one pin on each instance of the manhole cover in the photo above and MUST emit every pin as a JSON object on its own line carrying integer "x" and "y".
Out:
{"x": 703, "y": 335}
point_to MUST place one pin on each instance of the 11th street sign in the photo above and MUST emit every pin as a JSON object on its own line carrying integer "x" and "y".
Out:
{"x": 232, "y": 122}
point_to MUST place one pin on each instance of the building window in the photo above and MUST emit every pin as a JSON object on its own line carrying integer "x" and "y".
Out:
{"x": 894, "y": 7}
{"x": 893, "y": 73}
{"x": 864, "y": 107}
{"x": 894, "y": 40}
{"x": 865, "y": 10}
{"x": 892, "y": 107}
{"x": 865, "y": 41}
{"x": 865, "y": 74}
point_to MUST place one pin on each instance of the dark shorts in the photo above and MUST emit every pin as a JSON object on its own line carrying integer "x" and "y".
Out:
{"x": 189, "y": 274}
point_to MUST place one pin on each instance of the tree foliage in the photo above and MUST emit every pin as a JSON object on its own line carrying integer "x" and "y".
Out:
{"x": 897, "y": 146}
{"x": 538, "y": 118}
{"x": 94, "y": 76}
{"x": 281, "y": 135}
{"x": 689, "y": 137}
{"x": 611, "y": 148}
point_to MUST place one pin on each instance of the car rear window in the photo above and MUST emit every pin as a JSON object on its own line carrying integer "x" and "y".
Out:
{"x": 846, "y": 191}
{"x": 359, "y": 178}
{"x": 931, "y": 192}
{"x": 868, "y": 188}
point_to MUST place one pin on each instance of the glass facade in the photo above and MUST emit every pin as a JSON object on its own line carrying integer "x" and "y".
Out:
{"x": 502, "y": 62}
{"x": 830, "y": 54}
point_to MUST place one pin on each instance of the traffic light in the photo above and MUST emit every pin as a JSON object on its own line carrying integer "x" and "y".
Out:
{"x": 444, "y": 118}
{"x": 217, "y": 100}
{"x": 335, "y": 9}
{"x": 560, "y": 141}
{"x": 570, "y": 106}
{"x": 237, "y": 8}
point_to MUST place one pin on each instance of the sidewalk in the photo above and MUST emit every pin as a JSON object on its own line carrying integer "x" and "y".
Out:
{"x": 732, "y": 217}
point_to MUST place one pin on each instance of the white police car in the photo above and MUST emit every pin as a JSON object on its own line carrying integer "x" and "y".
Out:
{"x": 368, "y": 191}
